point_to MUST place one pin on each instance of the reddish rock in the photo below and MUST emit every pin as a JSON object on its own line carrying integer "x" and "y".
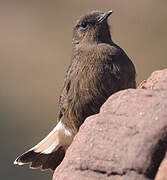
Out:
{"x": 157, "y": 81}
{"x": 127, "y": 140}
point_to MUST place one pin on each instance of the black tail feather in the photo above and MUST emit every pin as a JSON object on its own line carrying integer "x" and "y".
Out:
{"x": 42, "y": 161}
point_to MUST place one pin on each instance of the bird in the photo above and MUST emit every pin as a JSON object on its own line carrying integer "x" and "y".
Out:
{"x": 98, "y": 69}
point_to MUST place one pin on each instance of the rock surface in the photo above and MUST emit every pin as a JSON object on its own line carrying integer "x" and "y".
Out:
{"x": 127, "y": 140}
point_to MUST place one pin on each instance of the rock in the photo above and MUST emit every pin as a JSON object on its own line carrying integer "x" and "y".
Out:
{"x": 127, "y": 140}
{"x": 157, "y": 81}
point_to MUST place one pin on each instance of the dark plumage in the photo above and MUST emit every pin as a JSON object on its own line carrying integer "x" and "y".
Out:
{"x": 98, "y": 69}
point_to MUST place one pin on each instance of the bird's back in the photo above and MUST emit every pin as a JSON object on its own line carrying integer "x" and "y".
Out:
{"x": 96, "y": 72}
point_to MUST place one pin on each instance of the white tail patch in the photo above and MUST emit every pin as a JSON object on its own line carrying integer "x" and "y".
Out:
{"x": 59, "y": 136}
{"x": 51, "y": 148}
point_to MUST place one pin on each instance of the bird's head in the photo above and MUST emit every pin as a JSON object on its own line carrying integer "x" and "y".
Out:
{"x": 92, "y": 28}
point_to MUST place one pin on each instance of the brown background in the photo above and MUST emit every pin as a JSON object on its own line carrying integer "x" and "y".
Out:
{"x": 35, "y": 50}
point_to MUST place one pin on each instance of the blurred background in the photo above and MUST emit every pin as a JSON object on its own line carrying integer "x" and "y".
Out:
{"x": 35, "y": 51}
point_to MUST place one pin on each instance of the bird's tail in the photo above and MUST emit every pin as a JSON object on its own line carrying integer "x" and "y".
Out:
{"x": 49, "y": 153}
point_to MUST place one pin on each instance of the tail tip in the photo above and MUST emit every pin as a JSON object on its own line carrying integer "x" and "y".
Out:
{"x": 16, "y": 162}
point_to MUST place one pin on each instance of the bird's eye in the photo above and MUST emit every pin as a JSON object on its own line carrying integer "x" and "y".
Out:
{"x": 84, "y": 25}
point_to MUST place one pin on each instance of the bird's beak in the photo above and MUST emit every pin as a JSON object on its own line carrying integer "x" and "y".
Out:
{"x": 104, "y": 16}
